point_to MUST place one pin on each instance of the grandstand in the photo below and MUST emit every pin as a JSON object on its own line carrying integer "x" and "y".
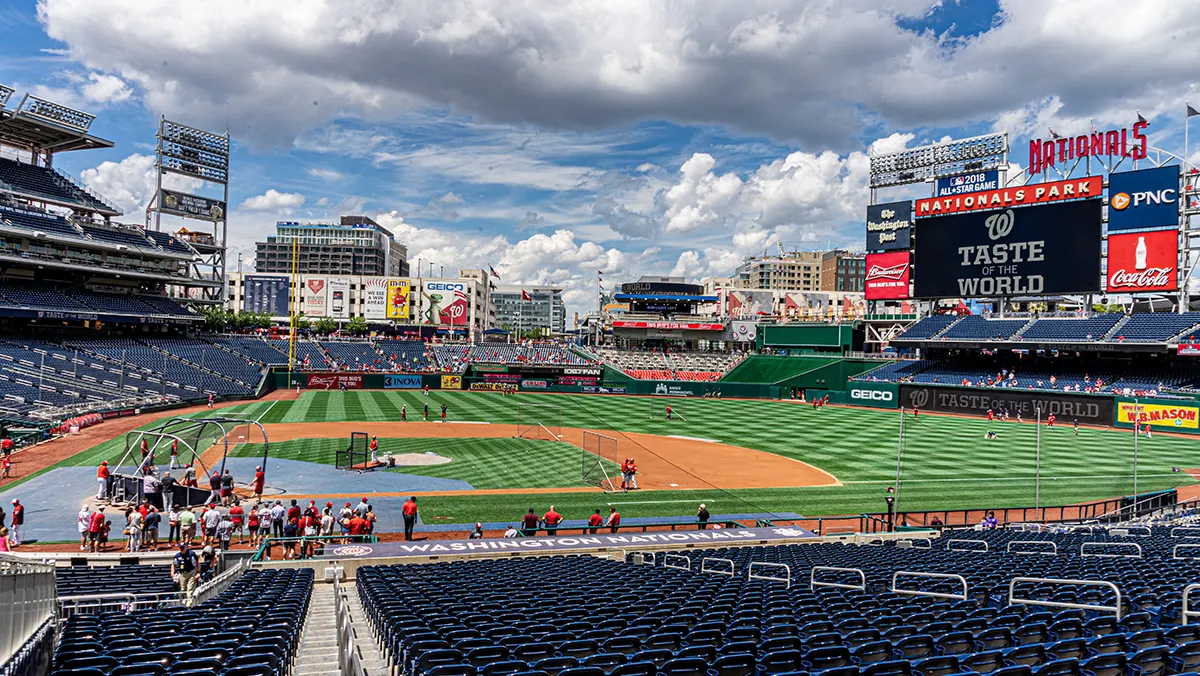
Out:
{"x": 656, "y": 365}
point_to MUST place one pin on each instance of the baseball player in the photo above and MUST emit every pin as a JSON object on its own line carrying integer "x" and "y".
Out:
{"x": 668, "y": 411}
{"x": 1050, "y": 421}
{"x": 404, "y": 413}
{"x": 374, "y": 449}
{"x": 425, "y": 415}
{"x": 443, "y": 413}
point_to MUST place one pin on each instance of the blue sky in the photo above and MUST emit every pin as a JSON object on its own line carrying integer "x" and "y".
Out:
{"x": 550, "y": 140}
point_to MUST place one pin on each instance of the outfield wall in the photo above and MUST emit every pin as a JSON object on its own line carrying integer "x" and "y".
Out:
{"x": 1089, "y": 409}
{"x": 1161, "y": 414}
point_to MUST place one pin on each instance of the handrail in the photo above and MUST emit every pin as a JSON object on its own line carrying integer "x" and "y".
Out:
{"x": 69, "y": 605}
{"x": 1053, "y": 546}
{"x": 328, "y": 539}
{"x": 635, "y": 557}
{"x": 938, "y": 595}
{"x": 1026, "y": 527}
{"x": 1116, "y": 608}
{"x": 812, "y": 578}
{"x": 705, "y": 569}
{"x": 218, "y": 584}
{"x": 1126, "y": 531}
{"x": 1185, "y": 528}
{"x": 913, "y": 543}
{"x": 1185, "y": 614}
{"x": 950, "y": 546}
{"x": 1176, "y": 548}
{"x": 786, "y": 579}
{"x": 668, "y": 558}
{"x": 1083, "y": 549}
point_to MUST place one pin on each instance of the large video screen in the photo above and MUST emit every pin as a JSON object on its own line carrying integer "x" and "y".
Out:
{"x": 1047, "y": 249}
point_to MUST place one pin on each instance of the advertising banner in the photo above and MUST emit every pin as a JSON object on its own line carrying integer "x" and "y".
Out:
{"x": 534, "y": 384}
{"x": 330, "y": 381}
{"x": 678, "y": 390}
{"x": 339, "y": 298}
{"x": 964, "y": 183}
{"x": 1037, "y": 193}
{"x": 401, "y": 382}
{"x": 444, "y": 303}
{"x": 1148, "y": 198}
{"x": 889, "y": 226}
{"x": 314, "y": 301}
{"x": 1158, "y": 415}
{"x": 879, "y": 395}
{"x": 750, "y": 302}
{"x": 684, "y": 326}
{"x": 1188, "y": 349}
{"x": 191, "y": 206}
{"x": 1088, "y": 409}
{"x": 601, "y": 389}
{"x": 397, "y": 295}
{"x": 375, "y": 298}
{"x": 578, "y": 380}
{"x": 1143, "y": 261}
{"x": 887, "y": 276}
{"x": 743, "y": 332}
{"x": 265, "y": 293}
{"x": 451, "y": 382}
{"x": 494, "y": 387}
{"x": 1048, "y": 249}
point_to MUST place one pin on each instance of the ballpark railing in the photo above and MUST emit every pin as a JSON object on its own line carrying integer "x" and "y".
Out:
{"x": 27, "y": 592}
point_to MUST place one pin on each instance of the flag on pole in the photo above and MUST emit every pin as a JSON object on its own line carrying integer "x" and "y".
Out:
{"x": 1140, "y": 118}
{"x": 1093, "y": 123}
{"x": 493, "y": 271}
{"x": 525, "y": 295}
{"x": 1053, "y": 134}
{"x": 1191, "y": 111}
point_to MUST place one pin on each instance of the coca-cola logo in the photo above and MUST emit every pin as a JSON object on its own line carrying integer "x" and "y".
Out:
{"x": 893, "y": 272}
{"x": 1150, "y": 277}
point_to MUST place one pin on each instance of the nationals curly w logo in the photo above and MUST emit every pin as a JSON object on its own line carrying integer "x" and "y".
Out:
{"x": 1000, "y": 225}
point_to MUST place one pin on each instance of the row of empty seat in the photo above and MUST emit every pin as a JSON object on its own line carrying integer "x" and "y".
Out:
{"x": 1142, "y": 327}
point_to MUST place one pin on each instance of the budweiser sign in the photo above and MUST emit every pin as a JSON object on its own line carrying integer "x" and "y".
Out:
{"x": 1040, "y": 193}
{"x": 685, "y": 326}
{"x": 887, "y": 275}
{"x": 1143, "y": 261}
{"x": 1129, "y": 142}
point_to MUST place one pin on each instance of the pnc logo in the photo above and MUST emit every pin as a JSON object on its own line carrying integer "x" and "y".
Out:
{"x": 1119, "y": 201}
{"x": 873, "y": 395}
{"x": 1123, "y": 200}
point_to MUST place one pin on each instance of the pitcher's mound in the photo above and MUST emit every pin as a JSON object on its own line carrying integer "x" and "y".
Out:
{"x": 419, "y": 459}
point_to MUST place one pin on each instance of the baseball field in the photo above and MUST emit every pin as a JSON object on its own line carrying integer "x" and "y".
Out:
{"x": 737, "y": 456}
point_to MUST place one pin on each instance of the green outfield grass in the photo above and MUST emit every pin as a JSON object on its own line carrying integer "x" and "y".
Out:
{"x": 484, "y": 463}
{"x": 947, "y": 464}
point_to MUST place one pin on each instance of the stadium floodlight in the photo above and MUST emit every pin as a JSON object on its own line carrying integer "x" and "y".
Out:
{"x": 193, "y": 152}
{"x": 917, "y": 165}
{"x": 33, "y": 106}
{"x": 6, "y": 93}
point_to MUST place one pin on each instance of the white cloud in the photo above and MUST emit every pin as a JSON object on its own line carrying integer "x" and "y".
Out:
{"x": 275, "y": 201}
{"x": 325, "y": 174}
{"x": 104, "y": 89}
{"x": 130, "y": 183}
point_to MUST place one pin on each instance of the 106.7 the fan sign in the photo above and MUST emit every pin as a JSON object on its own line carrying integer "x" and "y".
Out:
{"x": 1143, "y": 261}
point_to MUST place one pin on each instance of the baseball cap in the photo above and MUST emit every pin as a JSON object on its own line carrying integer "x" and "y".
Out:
{"x": 103, "y": 462}
{"x": 100, "y": 508}
{"x": 364, "y": 499}
{"x": 15, "y": 501}
{"x": 258, "y": 468}
{"x": 347, "y": 504}
{"x": 329, "y": 504}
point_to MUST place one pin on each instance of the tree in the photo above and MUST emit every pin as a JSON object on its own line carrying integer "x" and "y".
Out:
{"x": 261, "y": 320}
{"x": 216, "y": 318}
{"x": 356, "y": 325}
{"x": 325, "y": 326}
{"x": 301, "y": 322}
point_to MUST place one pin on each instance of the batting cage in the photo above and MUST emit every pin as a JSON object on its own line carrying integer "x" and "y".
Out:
{"x": 600, "y": 465}
{"x": 356, "y": 455}
{"x": 539, "y": 421}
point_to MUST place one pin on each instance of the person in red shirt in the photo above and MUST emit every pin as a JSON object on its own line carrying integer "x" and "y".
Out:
{"x": 145, "y": 450}
{"x": 409, "y": 512}
{"x": 5, "y": 467}
{"x": 1050, "y": 421}
{"x": 668, "y": 411}
{"x": 18, "y": 520}
{"x": 311, "y": 511}
{"x": 95, "y": 528}
{"x": 6, "y": 445}
{"x": 294, "y": 512}
{"x": 595, "y": 521}
{"x": 529, "y": 524}
{"x": 102, "y": 479}
{"x": 551, "y": 519}
{"x": 259, "y": 480}
{"x": 374, "y": 450}
{"x": 237, "y": 515}
{"x": 614, "y": 519}
{"x": 358, "y": 528}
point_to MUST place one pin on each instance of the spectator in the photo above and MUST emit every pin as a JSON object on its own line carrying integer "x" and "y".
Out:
{"x": 102, "y": 480}
{"x": 291, "y": 530}
{"x": 166, "y": 488}
{"x": 95, "y": 527}
{"x": 237, "y": 518}
{"x": 409, "y": 512}
{"x": 208, "y": 564}
{"x": 173, "y": 525}
{"x": 476, "y": 534}
{"x": 6, "y": 542}
{"x": 83, "y": 518}
{"x": 344, "y": 521}
{"x": 989, "y": 522}
{"x": 266, "y": 522}
{"x": 211, "y": 519}
{"x": 294, "y": 512}
{"x": 252, "y": 523}
{"x": 511, "y": 532}
{"x": 595, "y": 521}
{"x": 187, "y": 526}
{"x": 224, "y": 532}
{"x": 259, "y": 480}
{"x": 552, "y": 519}
{"x": 614, "y": 519}
{"x": 150, "y": 486}
{"x": 702, "y": 516}
{"x": 529, "y": 524}
{"x": 361, "y": 508}
{"x": 936, "y": 522}
{"x": 358, "y": 528}
{"x": 183, "y": 570}
{"x": 18, "y": 521}
{"x": 150, "y": 524}
{"x": 370, "y": 518}
{"x": 327, "y": 522}
{"x": 214, "y": 489}
{"x": 277, "y": 519}
{"x": 133, "y": 529}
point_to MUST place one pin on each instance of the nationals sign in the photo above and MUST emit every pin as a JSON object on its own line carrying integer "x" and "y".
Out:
{"x": 887, "y": 275}
{"x": 1039, "y": 193}
{"x": 1053, "y": 248}
{"x": 1145, "y": 261}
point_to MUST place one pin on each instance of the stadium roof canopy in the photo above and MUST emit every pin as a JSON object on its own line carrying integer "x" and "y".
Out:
{"x": 44, "y": 126}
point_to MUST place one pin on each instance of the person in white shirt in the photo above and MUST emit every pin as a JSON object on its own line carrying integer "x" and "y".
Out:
{"x": 511, "y": 532}
{"x": 361, "y": 508}
{"x": 85, "y": 515}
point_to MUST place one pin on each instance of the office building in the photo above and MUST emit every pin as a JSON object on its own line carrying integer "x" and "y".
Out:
{"x": 843, "y": 271}
{"x": 530, "y": 307}
{"x": 356, "y": 245}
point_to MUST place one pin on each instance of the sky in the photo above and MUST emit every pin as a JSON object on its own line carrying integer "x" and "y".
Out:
{"x": 551, "y": 139}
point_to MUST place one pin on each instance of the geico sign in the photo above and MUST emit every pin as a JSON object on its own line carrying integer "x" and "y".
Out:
{"x": 1123, "y": 200}
{"x": 873, "y": 395}
{"x": 444, "y": 286}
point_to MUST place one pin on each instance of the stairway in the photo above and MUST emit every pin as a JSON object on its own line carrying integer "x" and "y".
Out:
{"x": 318, "y": 655}
{"x": 372, "y": 660}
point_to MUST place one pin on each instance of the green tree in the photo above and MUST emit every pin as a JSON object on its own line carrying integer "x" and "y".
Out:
{"x": 357, "y": 325}
{"x": 325, "y": 326}
{"x": 301, "y": 322}
{"x": 216, "y": 318}
{"x": 261, "y": 320}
